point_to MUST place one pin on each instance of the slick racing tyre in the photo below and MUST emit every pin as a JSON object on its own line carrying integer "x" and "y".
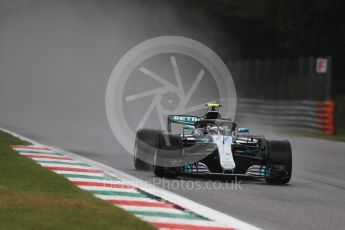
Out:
{"x": 144, "y": 147}
{"x": 279, "y": 159}
{"x": 169, "y": 149}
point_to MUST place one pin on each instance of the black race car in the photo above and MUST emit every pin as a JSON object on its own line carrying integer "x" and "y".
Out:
{"x": 212, "y": 146}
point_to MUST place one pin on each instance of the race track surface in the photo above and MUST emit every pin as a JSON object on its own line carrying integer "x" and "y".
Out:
{"x": 315, "y": 198}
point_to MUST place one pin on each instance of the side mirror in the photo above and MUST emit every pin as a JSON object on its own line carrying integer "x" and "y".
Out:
{"x": 243, "y": 130}
{"x": 191, "y": 127}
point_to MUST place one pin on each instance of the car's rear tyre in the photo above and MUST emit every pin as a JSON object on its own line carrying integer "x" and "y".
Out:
{"x": 169, "y": 147}
{"x": 144, "y": 147}
{"x": 279, "y": 153}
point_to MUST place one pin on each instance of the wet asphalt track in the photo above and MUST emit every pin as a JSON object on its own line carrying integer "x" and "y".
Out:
{"x": 315, "y": 198}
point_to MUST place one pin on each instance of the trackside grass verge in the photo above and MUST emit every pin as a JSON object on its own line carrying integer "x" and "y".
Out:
{"x": 32, "y": 197}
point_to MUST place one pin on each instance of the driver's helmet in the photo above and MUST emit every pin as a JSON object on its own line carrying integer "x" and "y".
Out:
{"x": 221, "y": 131}
{"x": 212, "y": 130}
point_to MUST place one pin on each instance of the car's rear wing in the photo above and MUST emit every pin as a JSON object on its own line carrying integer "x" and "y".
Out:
{"x": 182, "y": 119}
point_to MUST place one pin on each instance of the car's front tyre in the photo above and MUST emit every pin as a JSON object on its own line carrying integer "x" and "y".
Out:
{"x": 279, "y": 154}
{"x": 144, "y": 147}
{"x": 169, "y": 148}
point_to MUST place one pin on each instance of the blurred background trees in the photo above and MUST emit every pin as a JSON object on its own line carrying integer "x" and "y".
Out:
{"x": 277, "y": 29}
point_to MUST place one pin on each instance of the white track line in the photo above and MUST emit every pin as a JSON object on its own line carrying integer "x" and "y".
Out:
{"x": 204, "y": 223}
{"x": 152, "y": 209}
{"x": 64, "y": 165}
{"x": 195, "y": 207}
{"x": 33, "y": 150}
{"x": 100, "y": 180}
{"x": 112, "y": 197}
{"x": 90, "y": 188}
{"x": 80, "y": 173}
{"x": 61, "y": 160}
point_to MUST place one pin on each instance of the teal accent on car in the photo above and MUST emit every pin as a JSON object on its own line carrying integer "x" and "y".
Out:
{"x": 249, "y": 152}
{"x": 188, "y": 127}
{"x": 204, "y": 139}
{"x": 187, "y": 168}
{"x": 243, "y": 130}
{"x": 183, "y": 119}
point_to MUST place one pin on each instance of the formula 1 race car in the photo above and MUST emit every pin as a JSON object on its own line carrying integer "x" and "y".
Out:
{"x": 212, "y": 146}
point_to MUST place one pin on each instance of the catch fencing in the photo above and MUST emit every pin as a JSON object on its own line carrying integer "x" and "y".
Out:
{"x": 286, "y": 93}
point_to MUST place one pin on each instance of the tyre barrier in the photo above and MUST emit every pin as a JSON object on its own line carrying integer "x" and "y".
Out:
{"x": 311, "y": 116}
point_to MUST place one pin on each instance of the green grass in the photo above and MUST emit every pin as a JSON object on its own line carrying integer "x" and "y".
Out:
{"x": 32, "y": 197}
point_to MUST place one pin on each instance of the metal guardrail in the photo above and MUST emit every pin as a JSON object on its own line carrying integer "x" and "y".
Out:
{"x": 282, "y": 79}
{"x": 315, "y": 116}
